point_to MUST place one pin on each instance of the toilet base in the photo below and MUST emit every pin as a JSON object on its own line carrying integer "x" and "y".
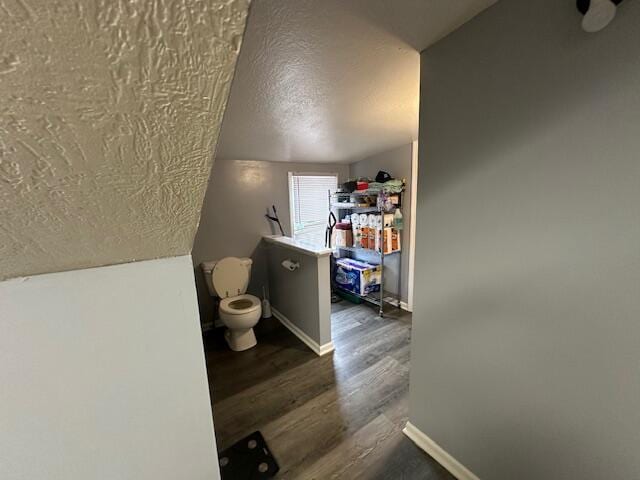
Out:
{"x": 240, "y": 339}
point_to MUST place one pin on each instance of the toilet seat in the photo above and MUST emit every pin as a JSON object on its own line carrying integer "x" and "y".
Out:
{"x": 240, "y": 304}
{"x": 230, "y": 277}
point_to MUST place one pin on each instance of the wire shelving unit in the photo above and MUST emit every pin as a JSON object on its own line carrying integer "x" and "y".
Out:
{"x": 382, "y": 297}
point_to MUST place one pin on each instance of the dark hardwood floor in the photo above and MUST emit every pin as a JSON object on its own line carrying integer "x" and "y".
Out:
{"x": 339, "y": 416}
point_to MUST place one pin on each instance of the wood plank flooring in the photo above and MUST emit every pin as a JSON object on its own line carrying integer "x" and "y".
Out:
{"x": 334, "y": 417}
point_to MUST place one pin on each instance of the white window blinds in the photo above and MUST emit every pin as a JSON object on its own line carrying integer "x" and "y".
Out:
{"x": 309, "y": 203}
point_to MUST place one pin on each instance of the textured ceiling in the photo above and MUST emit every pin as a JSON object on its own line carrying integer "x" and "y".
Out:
{"x": 109, "y": 115}
{"x": 332, "y": 80}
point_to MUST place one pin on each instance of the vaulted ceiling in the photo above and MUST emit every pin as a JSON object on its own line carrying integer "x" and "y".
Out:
{"x": 109, "y": 116}
{"x": 332, "y": 80}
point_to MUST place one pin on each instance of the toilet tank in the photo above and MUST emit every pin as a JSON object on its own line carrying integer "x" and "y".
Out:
{"x": 207, "y": 268}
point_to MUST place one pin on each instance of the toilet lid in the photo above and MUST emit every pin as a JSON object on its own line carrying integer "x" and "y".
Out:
{"x": 230, "y": 277}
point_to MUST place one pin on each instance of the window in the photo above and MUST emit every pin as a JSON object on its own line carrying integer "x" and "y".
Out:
{"x": 309, "y": 205}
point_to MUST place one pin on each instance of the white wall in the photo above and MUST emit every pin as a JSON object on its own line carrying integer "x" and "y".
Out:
{"x": 397, "y": 162}
{"x": 526, "y": 333}
{"x": 103, "y": 376}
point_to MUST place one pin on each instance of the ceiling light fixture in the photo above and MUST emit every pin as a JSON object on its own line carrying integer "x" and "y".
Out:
{"x": 597, "y": 13}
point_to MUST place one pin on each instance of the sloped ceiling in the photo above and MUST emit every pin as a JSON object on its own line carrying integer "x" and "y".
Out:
{"x": 332, "y": 80}
{"x": 109, "y": 115}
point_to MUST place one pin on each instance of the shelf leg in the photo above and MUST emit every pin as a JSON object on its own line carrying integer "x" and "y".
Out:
{"x": 381, "y": 312}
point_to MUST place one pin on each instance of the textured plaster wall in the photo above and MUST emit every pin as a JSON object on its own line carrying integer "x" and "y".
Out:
{"x": 109, "y": 116}
{"x": 329, "y": 81}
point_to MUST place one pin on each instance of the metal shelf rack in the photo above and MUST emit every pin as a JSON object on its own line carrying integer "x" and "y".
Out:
{"x": 383, "y": 297}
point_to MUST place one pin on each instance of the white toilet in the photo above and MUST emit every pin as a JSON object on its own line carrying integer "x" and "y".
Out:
{"x": 228, "y": 279}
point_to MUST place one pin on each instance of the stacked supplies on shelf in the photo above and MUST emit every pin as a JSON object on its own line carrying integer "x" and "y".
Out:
{"x": 343, "y": 235}
{"x": 357, "y": 277}
{"x": 375, "y": 232}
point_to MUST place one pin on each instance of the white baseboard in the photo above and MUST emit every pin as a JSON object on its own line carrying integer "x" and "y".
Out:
{"x": 440, "y": 455}
{"x": 403, "y": 305}
{"x": 312, "y": 344}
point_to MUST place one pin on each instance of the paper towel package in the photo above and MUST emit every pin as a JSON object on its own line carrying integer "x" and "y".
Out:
{"x": 373, "y": 234}
{"x": 391, "y": 240}
{"x": 357, "y": 277}
{"x": 356, "y": 233}
{"x": 364, "y": 236}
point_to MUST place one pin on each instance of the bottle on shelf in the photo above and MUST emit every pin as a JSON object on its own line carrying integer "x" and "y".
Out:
{"x": 398, "y": 221}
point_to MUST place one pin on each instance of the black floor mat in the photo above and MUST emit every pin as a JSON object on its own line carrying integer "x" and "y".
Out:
{"x": 248, "y": 459}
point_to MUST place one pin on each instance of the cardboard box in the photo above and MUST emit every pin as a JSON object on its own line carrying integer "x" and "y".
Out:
{"x": 342, "y": 238}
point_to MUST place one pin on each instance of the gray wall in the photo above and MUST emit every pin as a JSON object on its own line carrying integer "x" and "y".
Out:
{"x": 526, "y": 331}
{"x": 398, "y": 163}
{"x": 233, "y": 221}
{"x": 303, "y": 296}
